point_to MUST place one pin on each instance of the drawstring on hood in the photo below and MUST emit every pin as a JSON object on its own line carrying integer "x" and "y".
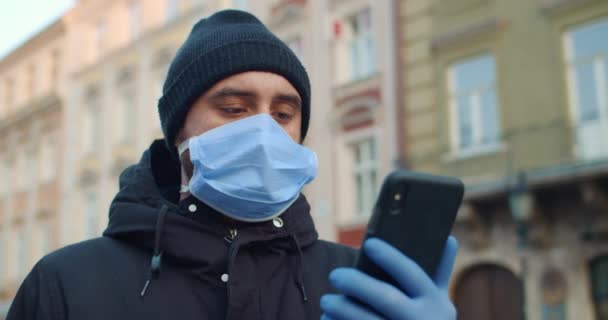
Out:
{"x": 298, "y": 276}
{"x": 157, "y": 257}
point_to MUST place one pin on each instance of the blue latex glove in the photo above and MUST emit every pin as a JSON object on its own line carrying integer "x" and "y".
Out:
{"x": 418, "y": 298}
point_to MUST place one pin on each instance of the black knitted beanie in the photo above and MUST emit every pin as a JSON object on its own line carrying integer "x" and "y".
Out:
{"x": 221, "y": 45}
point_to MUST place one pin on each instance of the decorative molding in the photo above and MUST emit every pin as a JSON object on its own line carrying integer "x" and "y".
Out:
{"x": 126, "y": 74}
{"x": 286, "y": 10}
{"x": 54, "y": 31}
{"x": 89, "y": 168}
{"x": 163, "y": 57}
{"x": 34, "y": 107}
{"x": 553, "y": 7}
{"x": 475, "y": 234}
{"x": 355, "y": 89}
{"x": 464, "y": 34}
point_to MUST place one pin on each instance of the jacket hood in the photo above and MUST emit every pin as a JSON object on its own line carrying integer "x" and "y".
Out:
{"x": 148, "y": 201}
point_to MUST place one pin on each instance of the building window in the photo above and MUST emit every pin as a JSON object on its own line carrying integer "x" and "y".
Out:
{"x": 54, "y": 72}
{"x": 134, "y": 19}
{"x": 20, "y": 170}
{"x": 295, "y": 44}
{"x": 365, "y": 175}
{"x": 126, "y": 116}
{"x": 91, "y": 124}
{"x": 31, "y": 81}
{"x": 587, "y": 59}
{"x": 44, "y": 237}
{"x": 100, "y": 37}
{"x": 240, "y": 4}
{"x": 9, "y": 93}
{"x": 361, "y": 46}
{"x": 3, "y": 253}
{"x": 91, "y": 215}
{"x": 47, "y": 158}
{"x": 8, "y": 174}
{"x": 30, "y": 169}
{"x": 474, "y": 103}
{"x": 4, "y": 176}
{"x": 172, "y": 7}
{"x": 126, "y": 106}
{"x": 21, "y": 251}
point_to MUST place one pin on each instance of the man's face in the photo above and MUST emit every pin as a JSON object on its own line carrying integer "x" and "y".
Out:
{"x": 240, "y": 96}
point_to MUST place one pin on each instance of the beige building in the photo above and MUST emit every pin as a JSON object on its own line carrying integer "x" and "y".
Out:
{"x": 32, "y": 150}
{"x": 512, "y": 97}
{"x": 111, "y": 58}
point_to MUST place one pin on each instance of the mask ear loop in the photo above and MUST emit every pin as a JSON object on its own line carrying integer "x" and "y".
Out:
{"x": 183, "y": 147}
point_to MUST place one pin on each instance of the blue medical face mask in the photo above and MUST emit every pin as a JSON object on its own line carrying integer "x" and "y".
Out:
{"x": 250, "y": 169}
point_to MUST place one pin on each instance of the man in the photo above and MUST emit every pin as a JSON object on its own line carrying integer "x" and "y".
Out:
{"x": 211, "y": 223}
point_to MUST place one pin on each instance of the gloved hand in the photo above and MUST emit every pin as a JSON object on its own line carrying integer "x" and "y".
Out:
{"x": 426, "y": 298}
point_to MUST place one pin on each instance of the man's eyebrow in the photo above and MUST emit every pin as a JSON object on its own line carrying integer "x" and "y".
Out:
{"x": 228, "y": 92}
{"x": 291, "y": 99}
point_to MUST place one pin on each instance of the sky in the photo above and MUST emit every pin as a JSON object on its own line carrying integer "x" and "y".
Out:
{"x": 22, "y": 19}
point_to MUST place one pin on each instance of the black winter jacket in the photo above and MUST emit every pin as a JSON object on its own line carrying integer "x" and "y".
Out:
{"x": 158, "y": 260}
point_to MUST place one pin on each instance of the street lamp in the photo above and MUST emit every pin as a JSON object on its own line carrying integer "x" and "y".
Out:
{"x": 521, "y": 204}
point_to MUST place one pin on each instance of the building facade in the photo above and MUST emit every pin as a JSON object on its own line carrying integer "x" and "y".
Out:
{"x": 99, "y": 113}
{"x": 512, "y": 96}
{"x": 32, "y": 150}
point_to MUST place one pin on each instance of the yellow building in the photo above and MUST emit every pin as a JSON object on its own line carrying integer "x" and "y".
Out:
{"x": 512, "y": 97}
{"x": 31, "y": 144}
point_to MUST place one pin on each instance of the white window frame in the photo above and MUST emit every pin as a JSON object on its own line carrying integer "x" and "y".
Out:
{"x": 601, "y": 78}
{"x": 44, "y": 237}
{"x": 31, "y": 168}
{"x": 241, "y": 5}
{"x": 295, "y": 43}
{"x": 20, "y": 183}
{"x": 126, "y": 113}
{"x": 91, "y": 124}
{"x": 172, "y": 10}
{"x": 475, "y": 95}
{"x": 100, "y": 37}
{"x": 366, "y": 168}
{"x": 21, "y": 251}
{"x": 134, "y": 19}
{"x": 4, "y": 176}
{"x": 356, "y": 40}
{"x": 3, "y": 253}
{"x": 91, "y": 214}
{"x": 47, "y": 159}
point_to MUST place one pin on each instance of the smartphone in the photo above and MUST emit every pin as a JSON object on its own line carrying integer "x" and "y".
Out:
{"x": 414, "y": 213}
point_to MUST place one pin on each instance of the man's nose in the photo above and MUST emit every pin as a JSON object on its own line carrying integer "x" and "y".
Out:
{"x": 263, "y": 109}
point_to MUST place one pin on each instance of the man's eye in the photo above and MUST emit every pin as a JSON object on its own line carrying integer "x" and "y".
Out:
{"x": 283, "y": 115}
{"x": 233, "y": 111}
